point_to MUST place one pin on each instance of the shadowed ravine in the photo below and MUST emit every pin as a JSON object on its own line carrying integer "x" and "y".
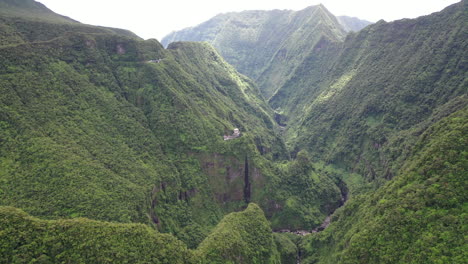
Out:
{"x": 114, "y": 149}
{"x": 326, "y": 222}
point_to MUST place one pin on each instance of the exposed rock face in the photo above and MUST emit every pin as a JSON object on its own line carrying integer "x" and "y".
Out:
{"x": 234, "y": 135}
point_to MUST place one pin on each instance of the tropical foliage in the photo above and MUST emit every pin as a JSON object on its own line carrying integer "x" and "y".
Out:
{"x": 419, "y": 217}
{"x": 243, "y": 237}
{"x": 112, "y": 149}
{"x": 267, "y": 46}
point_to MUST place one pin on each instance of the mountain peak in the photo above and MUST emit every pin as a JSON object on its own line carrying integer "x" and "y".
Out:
{"x": 265, "y": 45}
{"x": 24, "y": 3}
{"x": 32, "y": 10}
{"x": 315, "y": 8}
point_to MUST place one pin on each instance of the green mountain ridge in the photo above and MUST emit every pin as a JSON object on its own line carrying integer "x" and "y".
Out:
{"x": 31, "y": 9}
{"x": 109, "y": 127}
{"x": 390, "y": 104}
{"x": 112, "y": 149}
{"x": 19, "y": 17}
{"x": 361, "y": 94}
{"x": 123, "y": 120}
{"x": 265, "y": 45}
{"x": 85, "y": 241}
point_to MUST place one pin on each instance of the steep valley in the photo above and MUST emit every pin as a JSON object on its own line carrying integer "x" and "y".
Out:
{"x": 112, "y": 148}
{"x": 267, "y": 46}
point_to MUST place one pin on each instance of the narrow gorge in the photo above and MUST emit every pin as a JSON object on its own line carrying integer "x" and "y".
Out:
{"x": 276, "y": 137}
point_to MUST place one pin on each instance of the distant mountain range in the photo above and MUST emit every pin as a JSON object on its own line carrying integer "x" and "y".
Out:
{"x": 352, "y": 23}
{"x": 267, "y": 46}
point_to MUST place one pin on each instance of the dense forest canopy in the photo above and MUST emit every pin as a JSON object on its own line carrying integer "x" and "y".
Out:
{"x": 353, "y": 136}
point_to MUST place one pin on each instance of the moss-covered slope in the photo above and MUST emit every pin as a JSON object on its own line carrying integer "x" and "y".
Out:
{"x": 25, "y": 239}
{"x": 242, "y": 237}
{"x": 418, "y": 217}
{"x": 100, "y": 125}
{"x": 349, "y": 104}
{"x": 30, "y": 21}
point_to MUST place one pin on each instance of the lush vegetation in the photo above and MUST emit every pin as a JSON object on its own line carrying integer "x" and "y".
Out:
{"x": 27, "y": 21}
{"x": 31, "y": 10}
{"x": 100, "y": 125}
{"x": 242, "y": 237}
{"x": 358, "y": 105}
{"x": 287, "y": 247}
{"x": 113, "y": 146}
{"x": 389, "y": 109}
{"x": 304, "y": 195}
{"x": 419, "y": 217}
{"x": 25, "y": 239}
{"x": 267, "y": 46}
{"x": 89, "y": 132}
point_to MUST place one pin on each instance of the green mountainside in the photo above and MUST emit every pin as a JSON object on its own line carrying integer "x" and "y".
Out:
{"x": 265, "y": 45}
{"x": 98, "y": 124}
{"x": 29, "y": 21}
{"x": 419, "y": 217}
{"x": 30, "y": 9}
{"x": 390, "y": 104}
{"x": 112, "y": 148}
{"x": 246, "y": 237}
{"x": 362, "y": 103}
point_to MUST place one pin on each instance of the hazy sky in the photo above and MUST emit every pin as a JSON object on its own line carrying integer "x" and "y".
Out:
{"x": 156, "y": 18}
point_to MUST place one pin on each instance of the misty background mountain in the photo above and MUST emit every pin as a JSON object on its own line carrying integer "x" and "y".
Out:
{"x": 267, "y": 46}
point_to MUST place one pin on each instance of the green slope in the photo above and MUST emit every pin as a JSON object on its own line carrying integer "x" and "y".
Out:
{"x": 96, "y": 123}
{"x": 350, "y": 103}
{"x": 390, "y": 103}
{"x": 419, "y": 217}
{"x": 25, "y": 239}
{"x": 32, "y": 10}
{"x": 265, "y": 45}
{"x": 89, "y": 128}
{"x": 30, "y": 21}
{"x": 100, "y": 125}
{"x": 242, "y": 237}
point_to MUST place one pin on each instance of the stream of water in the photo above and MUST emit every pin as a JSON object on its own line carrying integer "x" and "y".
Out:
{"x": 323, "y": 226}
